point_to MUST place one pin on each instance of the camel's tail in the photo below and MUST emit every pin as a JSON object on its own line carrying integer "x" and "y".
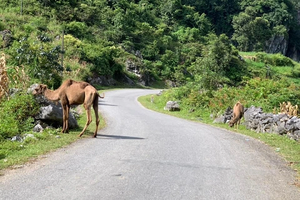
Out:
{"x": 102, "y": 97}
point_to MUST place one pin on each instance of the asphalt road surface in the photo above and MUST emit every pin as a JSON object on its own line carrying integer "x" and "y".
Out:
{"x": 143, "y": 155}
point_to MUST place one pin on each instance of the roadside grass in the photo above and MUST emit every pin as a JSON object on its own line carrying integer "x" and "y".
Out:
{"x": 287, "y": 148}
{"x": 15, "y": 154}
{"x": 259, "y": 68}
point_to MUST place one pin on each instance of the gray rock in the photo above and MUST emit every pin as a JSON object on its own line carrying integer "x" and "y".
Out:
{"x": 17, "y": 138}
{"x": 297, "y": 125}
{"x": 277, "y": 44}
{"x": 172, "y": 106}
{"x": 252, "y": 112}
{"x": 220, "y": 120}
{"x": 29, "y": 136}
{"x": 102, "y": 80}
{"x": 53, "y": 115}
{"x": 31, "y": 88}
{"x": 279, "y": 129}
{"x": 38, "y": 128}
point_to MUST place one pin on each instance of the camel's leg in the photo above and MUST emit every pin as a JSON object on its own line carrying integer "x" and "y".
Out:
{"x": 238, "y": 123}
{"x": 88, "y": 121}
{"x": 66, "y": 110}
{"x": 67, "y": 119}
{"x": 95, "y": 106}
{"x": 64, "y": 118}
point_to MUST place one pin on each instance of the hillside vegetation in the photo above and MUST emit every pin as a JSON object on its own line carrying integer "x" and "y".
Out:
{"x": 208, "y": 53}
{"x": 196, "y": 47}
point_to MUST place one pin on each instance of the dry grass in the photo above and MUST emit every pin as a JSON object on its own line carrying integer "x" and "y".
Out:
{"x": 3, "y": 77}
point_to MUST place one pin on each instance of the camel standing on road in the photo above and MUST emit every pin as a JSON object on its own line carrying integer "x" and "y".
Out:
{"x": 238, "y": 113}
{"x": 73, "y": 93}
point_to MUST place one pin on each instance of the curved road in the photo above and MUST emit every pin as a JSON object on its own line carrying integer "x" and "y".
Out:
{"x": 144, "y": 155}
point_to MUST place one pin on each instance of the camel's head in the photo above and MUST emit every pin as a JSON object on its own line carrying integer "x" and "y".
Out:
{"x": 230, "y": 123}
{"x": 40, "y": 89}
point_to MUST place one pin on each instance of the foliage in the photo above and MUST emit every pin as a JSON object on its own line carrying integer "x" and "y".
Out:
{"x": 260, "y": 21}
{"x": 153, "y": 31}
{"x": 102, "y": 58}
{"x": 78, "y": 29}
{"x": 41, "y": 59}
{"x": 274, "y": 59}
{"x": 219, "y": 66}
{"x": 17, "y": 115}
{"x": 263, "y": 93}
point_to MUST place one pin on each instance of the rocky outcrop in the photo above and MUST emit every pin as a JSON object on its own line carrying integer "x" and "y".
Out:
{"x": 132, "y": 67}
{"x": 277, "y": 44}
{"x": 293, "y": 52}
{"x": 226, "y": 117}
{"x": 102, "y": 80}
{"x": 282, "y": 124}
{"x": 256, "y": 120}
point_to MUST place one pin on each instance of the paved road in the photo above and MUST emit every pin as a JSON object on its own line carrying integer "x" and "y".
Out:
{"x": 143, "y": 155}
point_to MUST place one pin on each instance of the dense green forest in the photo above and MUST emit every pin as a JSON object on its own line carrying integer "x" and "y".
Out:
{"x": 194, "y": 46}
{"x": 166, "y": 40}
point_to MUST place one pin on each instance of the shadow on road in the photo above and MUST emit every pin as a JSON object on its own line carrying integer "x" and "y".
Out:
{"x": 122, "y": 137}
{"x": 105, "y": 104}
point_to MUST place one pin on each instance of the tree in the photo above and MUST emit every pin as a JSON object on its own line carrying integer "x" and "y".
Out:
{"x": 219, "y": 65}
{"x": 41, "y": 59}
{"x": 259, "y": 22}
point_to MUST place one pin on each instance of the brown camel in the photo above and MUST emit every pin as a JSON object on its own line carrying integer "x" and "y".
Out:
{"x": 73, "y": 93}
{"x": 238, "y": 113}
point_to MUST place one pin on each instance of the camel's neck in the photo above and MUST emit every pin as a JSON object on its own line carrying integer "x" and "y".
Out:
{"x": 234, "y": 120}
{"x": 52, "y": 95}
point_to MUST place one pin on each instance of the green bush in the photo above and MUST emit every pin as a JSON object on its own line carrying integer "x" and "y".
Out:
{"x": 274, "y": 59}
{"x": 16, "y": 115}
{"x": 296, "y": 72}
{"x": 263, "y": 93}
{"x": 258, "y": 92}
{"x": 78, "y": 29}
{"x": 40, "y": 58}
{"x": 102, "y": 58}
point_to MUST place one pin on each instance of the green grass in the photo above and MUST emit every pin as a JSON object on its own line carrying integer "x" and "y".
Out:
{"x": 14, "y": 154}
{"x": 247, "y": 53}
{"x": 287, "y": 148}
{"x": 258, "y": 69}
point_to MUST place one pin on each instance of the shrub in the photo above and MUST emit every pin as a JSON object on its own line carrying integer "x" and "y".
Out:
{"x": 296, "y": 72}
{"x": 102, "y": 58}
{"x": 78, "y": 29}
{"x": 274, "y": 59}
{"x": 16, "y": 115}
{"x": 40, "y": 59}
{"x": 263, "y": 93}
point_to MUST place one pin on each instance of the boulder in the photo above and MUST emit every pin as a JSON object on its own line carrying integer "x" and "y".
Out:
{"x": 172, "y": 106}
{"x": 38, "y": 128}
{"x": 17, "y": 138}
{"x": 53, "y": 115}
{"x": 220, "y": 120}
{"x": 252, "y": 112}
{"x": 50, "y": 113}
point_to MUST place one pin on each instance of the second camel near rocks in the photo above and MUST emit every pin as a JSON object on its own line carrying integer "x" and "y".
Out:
{"x": 238, "y": 113}
{"x": 73, "y": 93}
